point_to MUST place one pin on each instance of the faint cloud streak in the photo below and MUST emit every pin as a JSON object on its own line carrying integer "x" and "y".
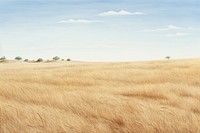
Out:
{"x": 170, "y": 27}
{"x": 79, "y": 21}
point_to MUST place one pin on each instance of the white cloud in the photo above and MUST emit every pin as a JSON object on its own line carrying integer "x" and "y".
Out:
{"x": 79, "y": 21}
{"x": 169, "y": 28}
{"x": 122, "y": 12}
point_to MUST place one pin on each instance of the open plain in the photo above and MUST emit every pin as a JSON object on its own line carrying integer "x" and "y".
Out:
{"x": 84, "y": 97}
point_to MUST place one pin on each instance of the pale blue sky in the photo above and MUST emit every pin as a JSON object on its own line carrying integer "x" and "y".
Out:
{"x": 100, "y": 30}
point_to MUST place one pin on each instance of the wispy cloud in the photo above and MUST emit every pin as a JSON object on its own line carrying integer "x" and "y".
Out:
{"x": 177, "y": 34}
{"x": 169, "y": 28}
{"x": 122, "y": 12}
{"x": 79, "y": 21}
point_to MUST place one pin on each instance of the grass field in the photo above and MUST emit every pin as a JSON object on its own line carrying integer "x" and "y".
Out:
{"x": 81, "y": 97}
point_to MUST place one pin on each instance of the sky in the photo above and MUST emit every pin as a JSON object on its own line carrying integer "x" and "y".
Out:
{"x": 100, "y": 30}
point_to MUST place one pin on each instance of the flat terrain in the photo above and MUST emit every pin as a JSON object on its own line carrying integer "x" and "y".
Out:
{"x": 80, "y": 97}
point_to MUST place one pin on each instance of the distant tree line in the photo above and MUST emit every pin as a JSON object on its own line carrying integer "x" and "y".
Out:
{"x": 56, "y": 58}
{"x": 19, "y": 58}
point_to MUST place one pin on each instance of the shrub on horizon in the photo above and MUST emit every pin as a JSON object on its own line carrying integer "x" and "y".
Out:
{"x": 168, "y": 57}
{"x": 40, "y": 60}
{"x": 56, "y": 58}
{"x": 3, "y": 58}
{"x": 18, "y": 58}
{"x": 68, "y": 59}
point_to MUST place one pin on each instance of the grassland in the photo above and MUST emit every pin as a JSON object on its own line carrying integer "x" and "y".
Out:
{"x": 80, "y": 97}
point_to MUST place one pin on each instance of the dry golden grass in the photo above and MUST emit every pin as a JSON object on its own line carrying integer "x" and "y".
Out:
{"x": 78, "y": 97}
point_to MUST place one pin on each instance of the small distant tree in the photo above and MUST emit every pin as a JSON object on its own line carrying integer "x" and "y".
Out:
{"x": 56, "y": 58}
{"x": 26, "y": 60}
{"x": 68, "y": 59}
{"x": 18, "y": 58}
{"x": 3, "y": 58}
{"x": 40, "y": 60}
{"x": 167, "y": 57}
